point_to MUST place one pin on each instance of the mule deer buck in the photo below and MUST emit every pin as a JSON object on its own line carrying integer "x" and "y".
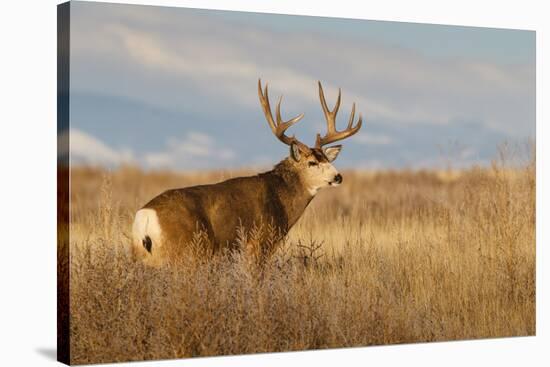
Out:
{"x": 168, "y": 223}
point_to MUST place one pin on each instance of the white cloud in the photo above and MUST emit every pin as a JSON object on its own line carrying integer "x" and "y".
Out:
{"x": 87, "y": 149}
{"x": 194, "y": 144}
{"x": 233, "y": 77}
{"x": 195, "y": 149}
{"x": 160, "y": 159}
{"x": 207, "y": 67}
{"x": 221, "y": 61}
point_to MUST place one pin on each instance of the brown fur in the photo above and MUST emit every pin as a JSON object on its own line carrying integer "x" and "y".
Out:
{"x": 276, "y": 197}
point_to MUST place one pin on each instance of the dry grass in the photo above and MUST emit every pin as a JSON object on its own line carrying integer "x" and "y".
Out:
{"x": 388, "y": 257}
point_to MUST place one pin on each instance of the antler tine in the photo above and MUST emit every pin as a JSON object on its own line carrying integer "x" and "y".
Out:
{"x": 332, "y": 134}
{"x": 352, "y": 117}
{"x": 277, "y": 127}
{"x": 329, "y": 115}
{"x": 283, "y": 125}
{"x": 322, "y": 98}
{"x": 264, "y": 101}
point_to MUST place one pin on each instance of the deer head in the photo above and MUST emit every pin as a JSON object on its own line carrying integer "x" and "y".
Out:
{"x": 312, "y": 164}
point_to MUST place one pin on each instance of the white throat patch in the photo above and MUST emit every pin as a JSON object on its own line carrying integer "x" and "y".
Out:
{"x": 313, "y": 190}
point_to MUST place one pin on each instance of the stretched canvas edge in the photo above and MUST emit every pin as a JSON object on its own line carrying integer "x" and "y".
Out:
{"x": 63, "y": 171}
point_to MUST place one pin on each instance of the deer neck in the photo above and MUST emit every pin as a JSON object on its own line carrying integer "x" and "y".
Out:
{"x": 291, "y": 191}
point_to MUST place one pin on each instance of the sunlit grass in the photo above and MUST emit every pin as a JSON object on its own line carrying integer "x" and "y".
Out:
{"x": 388, "y": 257}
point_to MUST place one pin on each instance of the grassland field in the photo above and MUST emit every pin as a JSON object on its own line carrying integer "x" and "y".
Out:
{"x": 388, "y": 257}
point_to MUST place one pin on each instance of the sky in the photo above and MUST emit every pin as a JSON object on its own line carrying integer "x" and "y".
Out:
{"x": 176, "y": 88}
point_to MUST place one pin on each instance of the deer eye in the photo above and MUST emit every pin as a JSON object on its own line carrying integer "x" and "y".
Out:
{"x": 313, "y": 164}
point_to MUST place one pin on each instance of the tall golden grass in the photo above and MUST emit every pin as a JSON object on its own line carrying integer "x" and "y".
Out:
{"x": 388, "y": 257}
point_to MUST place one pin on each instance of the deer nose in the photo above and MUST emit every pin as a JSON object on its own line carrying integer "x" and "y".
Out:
{"x": 338, "y": 178}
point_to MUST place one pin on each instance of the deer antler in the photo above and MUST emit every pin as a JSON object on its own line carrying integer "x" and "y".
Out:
{"x": 332, "y": 134}
{"x": 280, "y": 126}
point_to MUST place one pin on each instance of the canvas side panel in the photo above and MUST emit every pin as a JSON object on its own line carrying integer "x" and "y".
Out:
{"x": 63, "y": 291}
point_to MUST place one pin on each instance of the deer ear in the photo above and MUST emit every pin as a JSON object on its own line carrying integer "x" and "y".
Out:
{"x": 295, "y": 152}
{"x": 332, "y": 152}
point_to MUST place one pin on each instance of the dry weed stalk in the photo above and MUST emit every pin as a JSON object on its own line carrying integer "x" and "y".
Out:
{"x": 390, "y": 257}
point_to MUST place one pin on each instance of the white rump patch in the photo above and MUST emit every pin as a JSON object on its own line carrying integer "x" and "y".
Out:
{"x": 146, "y": 224}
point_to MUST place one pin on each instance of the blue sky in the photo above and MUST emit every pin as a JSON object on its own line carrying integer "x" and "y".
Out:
{"x": 176, "y": 88}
